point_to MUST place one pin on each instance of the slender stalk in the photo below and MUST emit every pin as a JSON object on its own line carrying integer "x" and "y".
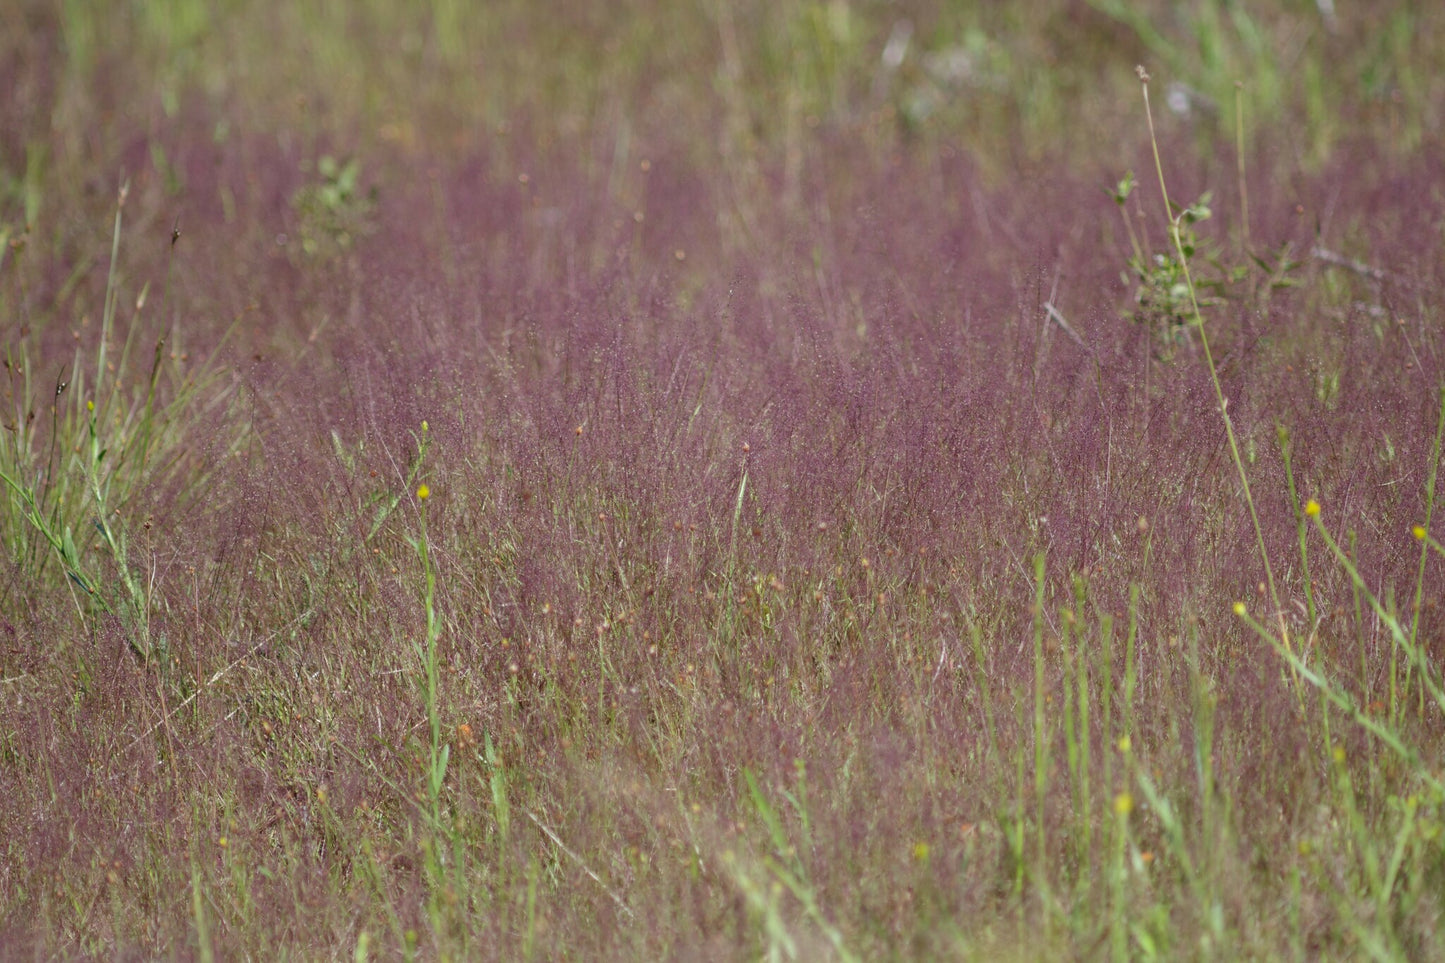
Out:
{"x": 439, "y": 752}
{"x": 1041, "y": 760}
{"x": 981, "y": 679}
{"x": 1239, "y": 155}
{"x": 1415, "y": 605}
{"x": 1385, "y": 611}
{"x": 1081, "y": 678}
{"x": 1213, "y": 369}
{"x": 1284, "y": 450}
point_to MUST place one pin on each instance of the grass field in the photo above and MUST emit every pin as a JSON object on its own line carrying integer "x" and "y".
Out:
{"x": 651, "y": 481}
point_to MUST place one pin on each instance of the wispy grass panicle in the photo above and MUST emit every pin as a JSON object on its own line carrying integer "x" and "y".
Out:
{"x": 842, "y": 577}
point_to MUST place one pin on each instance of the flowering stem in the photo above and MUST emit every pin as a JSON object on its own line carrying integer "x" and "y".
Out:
{"x": 1213, "y": 371}
{"x": 439, "y": 752}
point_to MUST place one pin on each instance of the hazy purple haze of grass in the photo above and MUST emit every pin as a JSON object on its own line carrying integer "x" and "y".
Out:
{"x": 728, "y": 466}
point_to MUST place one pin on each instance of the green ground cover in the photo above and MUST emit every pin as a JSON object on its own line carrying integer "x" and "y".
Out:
{"x": 806, "y": 480}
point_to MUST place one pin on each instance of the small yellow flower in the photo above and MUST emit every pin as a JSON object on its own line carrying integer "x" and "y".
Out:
{"x": 920, "y": 852}
{"x": 423, "y": 493}
{"x": 424, "y": 427}
{"x": 90, "y": 406}
{"x": 1123, "y": 804}
{"x": 223, "y": 842}
{"x": 1339, "y": 753}
{"x": 1312, "y": 508}
{"x": 1419, "y": 532}
{"x": 1240, "y": 609}
{"x": 1125, "y": 744}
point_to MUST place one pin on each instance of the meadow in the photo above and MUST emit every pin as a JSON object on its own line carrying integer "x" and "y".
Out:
{"x": 810, "y": 480}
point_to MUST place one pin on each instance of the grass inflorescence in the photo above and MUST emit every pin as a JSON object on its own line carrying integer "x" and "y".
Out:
{"x": 722, "y": 484}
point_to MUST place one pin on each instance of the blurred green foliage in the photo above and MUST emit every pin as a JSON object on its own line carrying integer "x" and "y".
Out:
{"x": 333, "y": 210}
{"x": 1043, "y": 77}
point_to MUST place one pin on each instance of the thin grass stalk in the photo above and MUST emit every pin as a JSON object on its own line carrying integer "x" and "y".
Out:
{"x": 1041, "y": 757}
{"x": 1282, "y": 434}
{"x": 1363, "y": 839}
{"x": 1382, "y": 611}
{"x": 1015, "y": 834}
{"x": 1069, "y": 672}
{"x": 439, "y": 752}
{"x": 1201, "y": 690}
{"x": 1106, "y": 698}
{"x": 985, "y": 691}
{"x": 1239, "y": 156}
{"x": 1415, "y": 606}
{"x": 113, "y": 536}
{"x": 1081, "y": 667}
{"x": 1359, "y": 619}
{"x": 1396, "y": 702}
{"x": 1342, "y": 700}
{"x": 48, "y": 478}
{"x": 198, "y": 914}
{"x": 728, "y": 636}
{"x": 1213, "y": 369}
{"x": 1131, "y": 669}
{"x": 111, "y": 294}
{"x": 146, "y": 420}
{"x": 1296, "y": 911}
{"x": 1118, "y": 879}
